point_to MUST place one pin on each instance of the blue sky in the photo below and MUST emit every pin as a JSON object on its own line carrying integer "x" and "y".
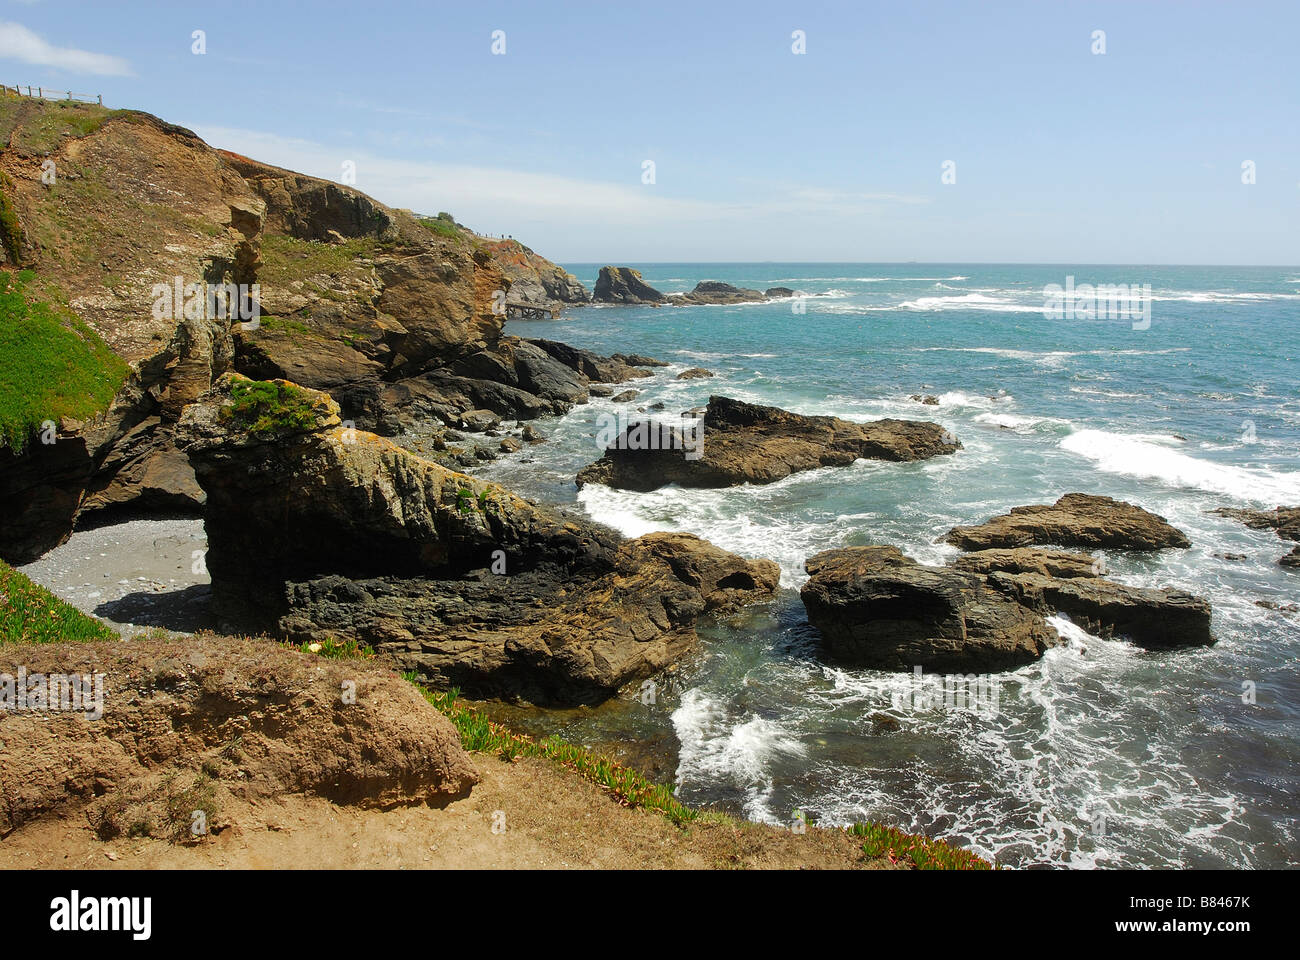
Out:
{"x": 1061, "y": 155}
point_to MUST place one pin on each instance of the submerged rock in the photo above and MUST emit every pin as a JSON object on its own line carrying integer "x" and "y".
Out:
{"x": 1285, "y": 520}
{"x": 877, "y": 608}
{"x": 695, "y": 373}
{"x": 739, "y": 442}
{"x": 314, "y": 529}
{"x": 1075, "y": 520}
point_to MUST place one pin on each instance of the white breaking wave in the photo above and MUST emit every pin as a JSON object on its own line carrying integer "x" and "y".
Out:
{"x": 715, "y": 747}
{"x": 970, "y": 301}
{"x": 1138, "y": 456}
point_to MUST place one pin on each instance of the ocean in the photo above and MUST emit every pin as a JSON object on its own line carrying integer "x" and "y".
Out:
{"x": 1100, "y": 754}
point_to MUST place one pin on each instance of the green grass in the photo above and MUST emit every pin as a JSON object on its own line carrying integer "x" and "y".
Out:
{"x": 443, "y": 225}
{"x": 52, "y": 364}
{"x": 31, "y": 614}
{"x": 264, "y": 408}
{"x": 287, "y": 260}
{"x": 484, "y": 736}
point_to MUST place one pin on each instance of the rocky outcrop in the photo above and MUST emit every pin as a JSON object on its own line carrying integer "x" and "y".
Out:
{"x": 778, "y": 293}
{"x": 717, "y": 292}
{"x": 1285, "y": 520}
{"x": 1075, "y": 520}
{"x": 739, "y": 442}
{"x": 316, "y": 529}
{"x": 595, "y": 368}
{"x": 624, "y": 285}
{"x": 877, "y": 608}
{"x": 399, "y": 318}
{"x": 532, "y": 278}
{"x": 258, "y": 720}
{"x": 695, "y": 373}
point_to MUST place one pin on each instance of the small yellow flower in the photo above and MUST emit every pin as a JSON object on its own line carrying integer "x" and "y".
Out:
{"x": 314, "y": 647}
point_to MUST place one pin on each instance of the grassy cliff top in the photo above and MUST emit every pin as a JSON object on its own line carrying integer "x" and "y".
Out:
{"x": 52, "y": 365}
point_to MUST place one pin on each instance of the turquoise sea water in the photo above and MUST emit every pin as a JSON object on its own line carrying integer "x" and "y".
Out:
{"x": 1101, "y": 753}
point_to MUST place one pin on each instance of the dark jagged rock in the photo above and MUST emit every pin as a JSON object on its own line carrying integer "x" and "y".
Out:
{"x": 1285, "y": 520}
{"x": 778, "y": 293}
{"x": 624, "y": 285}
{"x": 317, "y": 529}
{"x": 929, "y": 399}
{"x": 637, "y": 360}
{"x": 595, "y": 368}
{"x": 740, "y": 442}
{"x": 878, "y": 608}
{"x": 717, "y": 292}
{"x": 695, "y": 373}
{"x": 625, "y": 397}
{"x": 1075, "y": 520}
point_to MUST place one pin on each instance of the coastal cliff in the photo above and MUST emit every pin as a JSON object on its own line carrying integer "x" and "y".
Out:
{"x": 118, "y": 217}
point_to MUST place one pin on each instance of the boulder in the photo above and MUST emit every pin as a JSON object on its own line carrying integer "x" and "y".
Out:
{"x": 1075, "y": 520}
{"x": 314, "y": 529}
{"x": 877, "y": 608}
{"x": 778, "y": 293}
{"x": 695, "y": 373}
{"x": 625, "y": 397}
{"x": 624, "y": 285}
{"x": 739, "y": 442}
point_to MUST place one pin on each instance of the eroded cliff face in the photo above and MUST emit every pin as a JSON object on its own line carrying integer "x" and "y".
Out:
{"x": 400, "y": 319}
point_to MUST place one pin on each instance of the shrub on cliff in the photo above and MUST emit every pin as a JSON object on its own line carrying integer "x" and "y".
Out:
{"x": 263, "y": 407}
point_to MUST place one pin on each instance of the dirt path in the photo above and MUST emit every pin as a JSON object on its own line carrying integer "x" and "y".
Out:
{"x": 552, "y": 819}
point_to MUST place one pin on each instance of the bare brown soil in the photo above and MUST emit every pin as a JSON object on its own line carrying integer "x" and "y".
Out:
{"x": 552, "y": 819}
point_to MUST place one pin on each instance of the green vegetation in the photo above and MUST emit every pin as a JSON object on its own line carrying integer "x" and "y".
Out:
{"x": 444, "y": 225}
{"x": 926, "y": 854}
{"x": 627, "y": 786}
{"x": 332, "y": 649}
{"x": 262, "y": 407}
{"x": 31, "y": 614}
{"x": 52, "y": 364}
{"x": 288, "y": 260}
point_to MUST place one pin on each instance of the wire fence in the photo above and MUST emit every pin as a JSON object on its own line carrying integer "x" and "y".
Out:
{"x": 47, "y": 93}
